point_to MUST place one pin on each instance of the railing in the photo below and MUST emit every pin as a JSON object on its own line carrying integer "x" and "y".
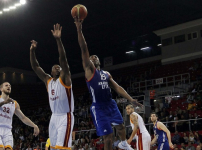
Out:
{"x": 171, "y": 125}
{"x": 162, "y": 82}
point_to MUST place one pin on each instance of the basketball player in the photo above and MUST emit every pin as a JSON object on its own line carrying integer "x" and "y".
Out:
{"x": 161, "y": 134}
{"x": 60, "y": 94}
{"x": 143, "y": 138}
{"x": 104, "y": 109}
{"x": 7, "y": 109}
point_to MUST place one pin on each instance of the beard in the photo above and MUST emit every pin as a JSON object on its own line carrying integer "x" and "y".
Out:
{"x": 6, "y": 92}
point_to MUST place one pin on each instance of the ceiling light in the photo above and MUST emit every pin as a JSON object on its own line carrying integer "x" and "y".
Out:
{"x": 145, "y": 48}
{"x": 12, "y": 7}
{"x": 159, "y": 45}
{"x": 18, "y": 4}
{"x": 129, "y": 52}
{"x": 6, "y": 9}
{"x": 1, "y": 12}
{"x": 22, "y": 1}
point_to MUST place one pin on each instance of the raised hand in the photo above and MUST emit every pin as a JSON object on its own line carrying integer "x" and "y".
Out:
{"x": 36, "y": 131}
{"x": 78, "y": 23}
{"x": 57, "y": 31}
{"x": 33, "y": 45}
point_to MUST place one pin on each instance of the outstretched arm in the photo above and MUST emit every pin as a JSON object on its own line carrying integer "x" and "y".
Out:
{"x": 161, "y": 126}
{"x": 87, "y": 64}
{"x": 35, "y": 65}
{"x": 122, "y": 92}
{"x": 135, "y": 122}
{"x": 65, "y": 73}
{"x": 26, "y": 120}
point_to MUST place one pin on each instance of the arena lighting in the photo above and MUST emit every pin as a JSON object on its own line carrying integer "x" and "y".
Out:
{"x": 129, "y": 52}
{"x": 22, "y": 2}
{"x": 12, "y": 7}
{"x": 18, "y": 4}
{"x": 6, "y": 9}
{"x": 145, "y": 48}
{"x": 1, "y": 12}
{"x": 159, "y": 45}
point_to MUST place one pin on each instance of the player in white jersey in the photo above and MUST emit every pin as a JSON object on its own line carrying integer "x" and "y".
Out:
{"x": 61, "y": 99}
{"x": 143, "y": 138}
{"x": 7, "y": 109}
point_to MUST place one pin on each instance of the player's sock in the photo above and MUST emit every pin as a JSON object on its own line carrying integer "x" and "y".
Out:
{"x": 124, "y": 143}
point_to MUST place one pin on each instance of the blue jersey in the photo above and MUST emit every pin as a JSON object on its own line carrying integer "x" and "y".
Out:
{"x": 160, "y": 135}
{"x": 99, "y": 88}
{"x": 104, "y": 110}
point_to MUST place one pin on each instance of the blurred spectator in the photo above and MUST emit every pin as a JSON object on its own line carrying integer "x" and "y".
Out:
{"x": 186, "y": 139}
{"x": 183, "y": 145}
{"x": 191, "y": 137}
{"x": 176, "y": 138}
{"x": 198, "y": 147}
{"x": 190, "y": 146}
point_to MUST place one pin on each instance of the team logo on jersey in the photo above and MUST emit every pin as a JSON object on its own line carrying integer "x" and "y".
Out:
{"x": 53, "y": 92}
{"x": 103, "y": 77}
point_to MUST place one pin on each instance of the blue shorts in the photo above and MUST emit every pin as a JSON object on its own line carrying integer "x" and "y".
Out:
{"x": 163, "y": 146}
{"x": 104, "y": 116}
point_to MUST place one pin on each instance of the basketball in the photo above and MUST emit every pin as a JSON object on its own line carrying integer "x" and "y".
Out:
{"x": 79, "y": 11}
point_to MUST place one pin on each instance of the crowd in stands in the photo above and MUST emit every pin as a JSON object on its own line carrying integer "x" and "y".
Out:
{"x": 185, "y": 108}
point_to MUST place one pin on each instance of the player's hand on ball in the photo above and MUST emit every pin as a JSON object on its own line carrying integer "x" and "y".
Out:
{"x": 36, "y": 131}
{"x": 57, "y": 31}
{"x": 78, "y": 23}
{"x": 171, "y": 145}
{"x": 33, "y": 45}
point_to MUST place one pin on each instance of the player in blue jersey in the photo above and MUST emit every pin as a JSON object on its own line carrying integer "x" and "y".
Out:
{"x": 104, "y": 109}
{"x": 161, "y": 134}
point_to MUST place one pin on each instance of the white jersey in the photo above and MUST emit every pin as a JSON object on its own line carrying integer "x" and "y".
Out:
{"x": 141, "y": 124}
{"x": 6, "y": 114}
{"x": 61, "y": 97}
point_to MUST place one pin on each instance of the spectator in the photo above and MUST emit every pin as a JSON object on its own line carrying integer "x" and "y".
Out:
{"x": 197, "y": 136}
{"x": 190, "y": 146}
{"x": 198, "y": 97}
{"x": 37, "y": 148}
{"x": 191, "y": 137}
{"x": 183, "y": 145}
{"x": 198, "y": 147}
{"x": 176, "y": 138}
{"x": 29, "y": 147}
{"x": 171, "y": 116}
{"x": 186, "y": 139}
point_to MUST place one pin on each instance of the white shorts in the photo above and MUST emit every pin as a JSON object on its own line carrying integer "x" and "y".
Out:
{"x": 60, "y": 131}
{"x": 143, "y": 141}
{"x": 6, "y": 138}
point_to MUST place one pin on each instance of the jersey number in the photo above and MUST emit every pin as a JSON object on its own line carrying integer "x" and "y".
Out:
{"x": 7, "y": 110}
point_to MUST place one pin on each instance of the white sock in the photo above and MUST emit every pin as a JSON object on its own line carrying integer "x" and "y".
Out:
{"x": 124, "y": 142}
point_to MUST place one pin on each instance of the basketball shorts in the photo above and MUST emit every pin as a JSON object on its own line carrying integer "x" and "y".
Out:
{"x": 104, "y": 116}
{"x": 143, "y": 141}
{"x": 60, "y": 131}
{"x": 163, "y": 146}
{"x": 6, "y": 138}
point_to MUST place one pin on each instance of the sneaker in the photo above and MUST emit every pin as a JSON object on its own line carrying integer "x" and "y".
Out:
{"x": 126, "y": 147}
